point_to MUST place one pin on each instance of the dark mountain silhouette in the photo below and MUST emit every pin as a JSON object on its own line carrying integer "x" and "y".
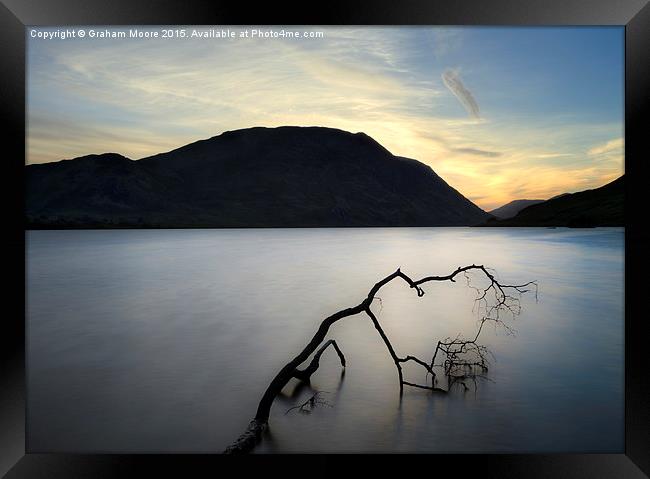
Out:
{"x": 559, "y": 196}
{"x": 598, "y": 207}
{"x": 257, "y": 177}
{"x": 511, "y": 209}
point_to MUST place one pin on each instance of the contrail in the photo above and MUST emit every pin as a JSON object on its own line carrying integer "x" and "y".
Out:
{"x": 452, "y": 81}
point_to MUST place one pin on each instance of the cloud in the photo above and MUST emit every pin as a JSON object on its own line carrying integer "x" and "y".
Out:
{"x": 476, "y": 151}
{"x": 446, "y": 144}
{"x": 615, "y": 145}
{"x": 545, "y": 156}
{"x": 452, "y": 80}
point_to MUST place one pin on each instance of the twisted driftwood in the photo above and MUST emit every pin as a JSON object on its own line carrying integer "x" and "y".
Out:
{"x": 462, "y": 357}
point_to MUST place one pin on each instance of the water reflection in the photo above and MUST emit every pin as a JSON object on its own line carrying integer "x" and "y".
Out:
{"x": 165, "y": 340}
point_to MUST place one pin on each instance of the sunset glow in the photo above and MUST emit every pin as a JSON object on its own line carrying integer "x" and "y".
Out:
{"x": 498, "y": 113}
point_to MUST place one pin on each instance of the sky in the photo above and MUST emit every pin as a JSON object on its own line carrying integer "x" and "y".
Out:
{"x": 499, "y": 113}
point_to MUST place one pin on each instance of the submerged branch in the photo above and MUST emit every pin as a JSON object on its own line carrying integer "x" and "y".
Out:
{"x": 461, "y": 356}
{"x": 250, "y": 437}
{"x": 305, "y": 374}
{"x": 310, "y": 404}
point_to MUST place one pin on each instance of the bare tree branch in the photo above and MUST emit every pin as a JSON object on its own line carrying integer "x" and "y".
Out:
{"x": 463, "y": 359}
{"x": 310, "y": 404}
{"x": 305, "y": 374}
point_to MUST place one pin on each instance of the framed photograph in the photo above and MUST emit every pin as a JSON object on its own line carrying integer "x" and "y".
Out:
{"x": 374, "y": 230}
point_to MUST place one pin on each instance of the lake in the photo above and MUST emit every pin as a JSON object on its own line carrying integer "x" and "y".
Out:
{"x": 165, "y": 340}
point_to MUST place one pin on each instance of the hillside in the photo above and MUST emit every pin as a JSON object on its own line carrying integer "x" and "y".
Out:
{"x": 598, "y": 207}
{"x": 512, "y": 208}
{"x": 257, "y": 177}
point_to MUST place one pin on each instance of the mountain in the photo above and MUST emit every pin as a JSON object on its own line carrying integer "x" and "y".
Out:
{"x": 256, "y": 177}
{"x": 559, "y": 196}
{"x": 598, "y": 207}
{"x": 511, "y": 209}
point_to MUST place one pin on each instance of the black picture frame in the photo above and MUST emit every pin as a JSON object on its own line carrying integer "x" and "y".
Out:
{"x": 16, "y": 14}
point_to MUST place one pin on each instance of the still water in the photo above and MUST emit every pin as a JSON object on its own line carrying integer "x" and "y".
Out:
{"x": 165, "y": 340}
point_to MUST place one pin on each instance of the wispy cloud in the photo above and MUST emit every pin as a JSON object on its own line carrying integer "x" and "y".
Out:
{"x": 451, "y": 79}
{"x": 615, "y": 145}
{"x": 552, "y": 155}
{"x": 477, "y": 152}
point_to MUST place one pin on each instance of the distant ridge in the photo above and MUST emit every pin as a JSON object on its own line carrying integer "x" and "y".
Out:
{"x": 256, "y": 177}
{"x": 512, "y": 208}
{"x": 598, "y": 207}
